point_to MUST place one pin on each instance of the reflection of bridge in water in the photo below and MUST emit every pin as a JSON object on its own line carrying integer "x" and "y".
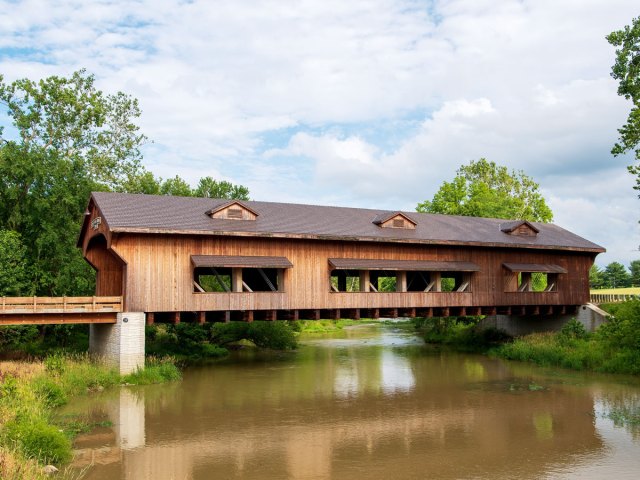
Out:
{"x": 353, "y": 411}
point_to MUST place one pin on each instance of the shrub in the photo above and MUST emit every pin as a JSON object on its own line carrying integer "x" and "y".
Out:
{"x": 275, "y": 335}
{"x": 157, "y": 370}
{"x": 39, "y": 439}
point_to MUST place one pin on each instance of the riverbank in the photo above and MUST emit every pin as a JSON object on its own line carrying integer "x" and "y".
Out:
{"x": 31, "y": 435}
{"x": 613, "y": 348}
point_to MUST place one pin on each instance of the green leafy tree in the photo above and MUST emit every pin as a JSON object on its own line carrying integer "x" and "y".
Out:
{"x": 70, "y": 139}
{"x": 634, "y": 267}
{"x": 626, "y": 70}
{"x": 176, "y": 187}
{"x": 595, "y": 277}
{"x": 615, "y": 275}
{"x": 484, "y": 189}
{"x": 210, "y": 188}
{"x": 14, "y": 278}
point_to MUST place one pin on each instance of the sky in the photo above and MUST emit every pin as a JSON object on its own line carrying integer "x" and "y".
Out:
{"x": 357, "y": 103}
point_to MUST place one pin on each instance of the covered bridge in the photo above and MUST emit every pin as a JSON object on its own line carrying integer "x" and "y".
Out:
{"x": 202, "y": 259}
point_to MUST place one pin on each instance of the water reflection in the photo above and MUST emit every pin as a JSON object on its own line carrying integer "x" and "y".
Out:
{"x": 372, "y": 403}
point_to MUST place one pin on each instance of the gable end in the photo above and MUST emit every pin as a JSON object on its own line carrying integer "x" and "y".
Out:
{"x": 520, "y": 228}
{"x": 233, "y": 211}
{"x": 395, "y": 220}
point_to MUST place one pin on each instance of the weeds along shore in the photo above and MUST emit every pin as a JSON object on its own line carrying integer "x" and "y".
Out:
{"x": 30, "y": 435}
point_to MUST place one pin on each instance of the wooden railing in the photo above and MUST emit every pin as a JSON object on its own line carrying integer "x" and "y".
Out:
{"x": 599, "y": 298}
{"x": 26, "y": 305}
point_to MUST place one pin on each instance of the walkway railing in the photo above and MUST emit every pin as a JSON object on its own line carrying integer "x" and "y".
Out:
{"x": 35, "y": 305}
{"x": 599, "y": 298}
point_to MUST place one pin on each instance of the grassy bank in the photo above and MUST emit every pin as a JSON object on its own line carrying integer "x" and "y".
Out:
{"x": 613, "y": 348}
{"x": 30, "y": 435}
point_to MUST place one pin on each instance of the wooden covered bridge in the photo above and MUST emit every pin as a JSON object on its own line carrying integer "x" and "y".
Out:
{"x": 178, "y": 258}
{"x": 199, "y": 259}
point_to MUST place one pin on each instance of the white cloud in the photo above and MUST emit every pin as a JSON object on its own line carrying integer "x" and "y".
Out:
{"x": 322, "y": 86}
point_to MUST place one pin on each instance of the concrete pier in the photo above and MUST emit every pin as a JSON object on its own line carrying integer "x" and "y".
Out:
{"x": 120, "y": 344}
{"x": 591, "y": 316}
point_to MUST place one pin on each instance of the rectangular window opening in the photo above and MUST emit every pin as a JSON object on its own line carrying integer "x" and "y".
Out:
{"x": 345, "y": 281}
{"x": 207, "y": 280}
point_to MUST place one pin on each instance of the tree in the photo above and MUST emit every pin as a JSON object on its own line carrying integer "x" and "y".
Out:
{"x": 13, "y": 270}
{"x": 70, "y": 139}
{"x": 595, "y": 277}
{"x": 176, "y": 186}
{"x": 615, "y": 275}
{"x": 484, "y": 189}
{"x": 626, "y": 70}
{"x": 634, "y": 267}
{"x": 210, "y": 188}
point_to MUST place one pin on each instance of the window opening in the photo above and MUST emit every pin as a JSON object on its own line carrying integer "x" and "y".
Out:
{"x": 537, "y": 282}
{"x": 212, "y": 280}
{"x": 345, "y": 281}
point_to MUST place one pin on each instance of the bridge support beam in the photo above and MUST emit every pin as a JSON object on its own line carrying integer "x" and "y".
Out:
{"x": 589, "y": 315}
{"x": 120, "y": 344}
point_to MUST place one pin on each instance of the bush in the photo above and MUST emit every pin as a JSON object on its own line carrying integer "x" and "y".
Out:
{"x": 156, "y": 370}
{"x": 275, "y": 335}
{"x": 39, "y": 440}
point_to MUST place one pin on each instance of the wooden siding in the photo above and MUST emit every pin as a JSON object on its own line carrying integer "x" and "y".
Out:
{"x": 159, "y": 274}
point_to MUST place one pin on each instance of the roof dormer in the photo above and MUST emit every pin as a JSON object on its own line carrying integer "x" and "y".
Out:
{"x": 233, "y": 210}
{"x": 395, "y": 220}
{"x": 521, "y": 228}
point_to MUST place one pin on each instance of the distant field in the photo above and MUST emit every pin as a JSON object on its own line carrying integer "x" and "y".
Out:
{"x": 617, "y": 291}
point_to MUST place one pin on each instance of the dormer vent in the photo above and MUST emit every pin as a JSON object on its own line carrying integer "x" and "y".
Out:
{"x": 233, "y": 210}
{"x": 521, "y": 228}
{"x": 394, "y": 220}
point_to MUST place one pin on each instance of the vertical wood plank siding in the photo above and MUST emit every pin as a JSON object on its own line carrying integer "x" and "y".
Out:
{"x": 159, "y": 274}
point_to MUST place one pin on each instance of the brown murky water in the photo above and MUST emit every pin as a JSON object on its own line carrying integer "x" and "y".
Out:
{"x": 370, "y": 403}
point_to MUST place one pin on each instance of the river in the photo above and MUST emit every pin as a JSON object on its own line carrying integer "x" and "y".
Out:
{"x": 368, "y": 402}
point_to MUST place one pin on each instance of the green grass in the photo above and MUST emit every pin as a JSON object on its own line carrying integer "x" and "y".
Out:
{"x": 325, "y": 326}
{"x": 30, "y": 392}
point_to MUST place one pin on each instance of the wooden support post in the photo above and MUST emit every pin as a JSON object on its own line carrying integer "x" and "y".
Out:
{"x": 247, "y": 316}
{"x": 202, "y": 318}
{"x": 393, "y": 313}
{"x": 401, "y": 281}
{"x": 295, "y": 315}
{"x": 365, "y": 280}
{"x": 462, "y": 312}
{"x": 176, "y": 318}
{"x": 445, "y": 311}
{"x": 236, "y": 279}
{"x": 356, "y": 314}
{"x": 536, "y": 310}
{"x": 410, "y": 313}
{"x": 342, "y": 281}
{"x": 281, "y": 277}
{"x": 150, "y": 318}
{"x": 227, "y": 316}
{"x": 436, "y": 278}
{"x": 335, "y": 314}
{"x": 272, "y": 315}
{"x": 316, "y": 315}
{"x": 375, "y": 313}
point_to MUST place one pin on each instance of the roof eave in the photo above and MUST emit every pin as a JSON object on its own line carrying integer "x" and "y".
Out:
{"x": 306, "y": 236}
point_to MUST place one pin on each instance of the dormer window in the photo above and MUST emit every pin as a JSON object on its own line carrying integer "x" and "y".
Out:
{"x": 233, "y": 210}
{"x": 521, "y": 228}
{"x": 395, "y": 220}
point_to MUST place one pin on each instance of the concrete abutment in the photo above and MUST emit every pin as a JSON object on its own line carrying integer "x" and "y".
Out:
{"x": 589, "y": 315}
{"x": 120, "y": 344}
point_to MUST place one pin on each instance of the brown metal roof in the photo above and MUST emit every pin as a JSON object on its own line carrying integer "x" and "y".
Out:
{"x": 185, "y": 215}
{"x": 534, "y": 267}
{"x": 404, "y": 265}
{"x": 240, "y": 261}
